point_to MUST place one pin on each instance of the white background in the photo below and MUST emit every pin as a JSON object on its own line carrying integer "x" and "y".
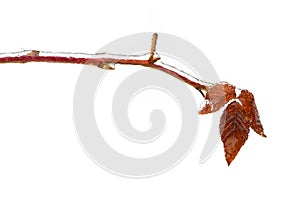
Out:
{"x": 252, "y": 44}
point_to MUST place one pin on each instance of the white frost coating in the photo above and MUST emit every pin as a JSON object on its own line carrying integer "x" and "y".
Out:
{"x": 73, "y": 54}
{"x": 202, "y": 104}
{"x": 238, "y": 91}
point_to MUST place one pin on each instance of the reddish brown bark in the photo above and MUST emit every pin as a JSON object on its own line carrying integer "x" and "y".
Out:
{"x": 99, "y": 62}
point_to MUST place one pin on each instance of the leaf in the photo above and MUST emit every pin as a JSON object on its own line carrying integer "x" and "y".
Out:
{"x": 217, "y": 96}
{"x": 234, "y": 129}
{"x": 248, "y": 102}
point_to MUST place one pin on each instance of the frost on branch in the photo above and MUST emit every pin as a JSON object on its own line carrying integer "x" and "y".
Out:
{"x": 239, "y": 115}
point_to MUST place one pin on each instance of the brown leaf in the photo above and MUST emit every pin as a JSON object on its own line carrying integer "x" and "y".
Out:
{"x": 247, "y": 100}
{"x": 218, "y": 95}
{"x": 234, "y": 130}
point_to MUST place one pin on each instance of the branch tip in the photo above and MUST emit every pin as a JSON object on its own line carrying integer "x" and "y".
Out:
{"x": 153, "y": 59}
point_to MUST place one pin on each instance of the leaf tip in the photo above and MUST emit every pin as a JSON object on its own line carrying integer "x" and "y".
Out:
{"x": 228, "y": 162}
{"x": 263, "y": 135}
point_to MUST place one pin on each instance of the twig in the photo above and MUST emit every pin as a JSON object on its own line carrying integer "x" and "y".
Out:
{"x": 153, "y": 59}
{"x": 101, "y": 62}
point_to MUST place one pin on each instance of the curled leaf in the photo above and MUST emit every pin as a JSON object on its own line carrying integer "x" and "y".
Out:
{"x": 234, "y": 129}
{"x": 247, "y": 100}
{"x": 217, "y": 96}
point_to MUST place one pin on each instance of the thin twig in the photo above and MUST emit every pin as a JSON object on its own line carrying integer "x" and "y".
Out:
{"x": 101, "y": 62}
{"x": 152, "y": 59}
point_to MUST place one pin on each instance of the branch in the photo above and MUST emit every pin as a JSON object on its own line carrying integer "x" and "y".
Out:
{"x": 239, "y": 115}
{"x": 107, "y": 63}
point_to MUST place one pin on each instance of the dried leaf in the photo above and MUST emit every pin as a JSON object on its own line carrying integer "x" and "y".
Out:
{"x": 234, "y": 130}
{"x": 248, "y": 102}
{"x": 217, "y": 96}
